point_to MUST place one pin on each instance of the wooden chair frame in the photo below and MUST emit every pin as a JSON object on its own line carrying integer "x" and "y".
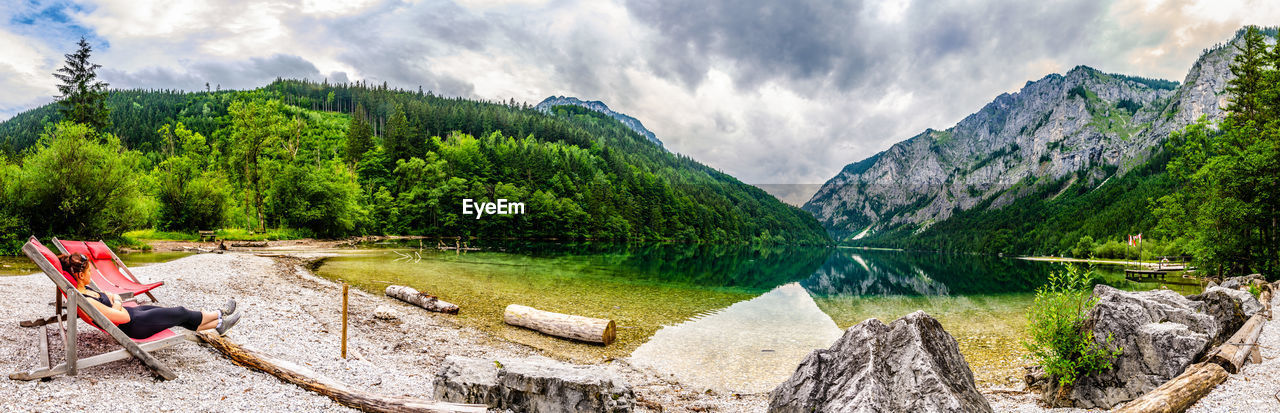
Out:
{"x": 73, "y": 302}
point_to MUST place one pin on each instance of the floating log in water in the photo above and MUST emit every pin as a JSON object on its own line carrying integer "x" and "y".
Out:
{"x": 339, "y": 392}
{"x": 421, "y": 299}
{"x": 1233, "y": 354}
{"x": 594, "y": 330}
{"x": 1179, "y": 394}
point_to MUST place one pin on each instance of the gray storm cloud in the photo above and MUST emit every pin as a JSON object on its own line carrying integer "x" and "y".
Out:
{"x": 772, "y": 92}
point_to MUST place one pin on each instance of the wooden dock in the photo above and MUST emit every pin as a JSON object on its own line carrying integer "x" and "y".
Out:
{"x": 1138, "y": 275}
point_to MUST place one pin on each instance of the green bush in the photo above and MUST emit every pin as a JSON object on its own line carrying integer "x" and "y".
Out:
{"x": 74, "y": 186}
{"x": 1057, "y": 339}
{"x": 1084, "y": 248}
{"x": 323, "y": 200}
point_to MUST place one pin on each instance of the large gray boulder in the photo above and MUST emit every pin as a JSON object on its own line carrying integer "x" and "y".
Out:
{"x": 1235, "y": 283}
{"x": 910, "y": 365}
{"x": 1159, "y": 333}
{"x": 1230, "y": 308}
{"x": 536, "y": 384}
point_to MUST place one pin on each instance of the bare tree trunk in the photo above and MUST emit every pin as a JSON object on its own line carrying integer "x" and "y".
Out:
{"x": 339, "y": 392}
{"x": 595, "y": 330}
{"x": 1179, "y": 394}
{"x": 420, "y": 299}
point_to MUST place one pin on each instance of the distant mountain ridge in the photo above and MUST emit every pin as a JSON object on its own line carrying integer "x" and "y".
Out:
{"x": 1083, "y": 127}
{"x": 598, "y": 106}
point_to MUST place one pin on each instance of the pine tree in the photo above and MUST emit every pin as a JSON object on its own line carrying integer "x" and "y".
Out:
{"x": 84, "y": 97}
{"x": 359, "y": 135}
{"x": 1248, "y": 68}
{"x": 398, "y": 137}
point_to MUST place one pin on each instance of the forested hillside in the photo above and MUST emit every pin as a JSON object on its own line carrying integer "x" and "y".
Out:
{"x": 339, "y": 160}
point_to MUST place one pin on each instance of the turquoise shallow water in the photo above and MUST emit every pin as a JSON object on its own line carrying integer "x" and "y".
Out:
{"x": 730, "y": 318}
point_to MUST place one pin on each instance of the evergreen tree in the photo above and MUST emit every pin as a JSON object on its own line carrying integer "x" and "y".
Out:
{"x": 398, "y": 138}
{"x": 359, "y": 135}
{"x": 1248, "y": 68}
{"x": 1230, "y": 178}
{"x": 84, "y": 97}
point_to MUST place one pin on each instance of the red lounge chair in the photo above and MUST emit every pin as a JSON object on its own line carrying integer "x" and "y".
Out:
{"x": 138, "y": 348}
{"x": 108, "y": 276}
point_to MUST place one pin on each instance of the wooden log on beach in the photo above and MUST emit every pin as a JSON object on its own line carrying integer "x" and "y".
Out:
{"x": 1233, "y": 354}
{"x": 1265, "y": 298}
{"x": 593, "y": 330}
{"x": 1179, "y": 394}
{"x": 420, "y": 299}
{"x": 339, "y": 392}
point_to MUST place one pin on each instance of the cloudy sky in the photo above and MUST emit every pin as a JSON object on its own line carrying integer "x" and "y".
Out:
{"x": 783, "y": 93}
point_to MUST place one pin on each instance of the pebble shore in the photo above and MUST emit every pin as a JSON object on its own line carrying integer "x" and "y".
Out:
{"x": 289, "y": 314}
{"x": 1257, "y": 387}
{"x": 292, "y": 315}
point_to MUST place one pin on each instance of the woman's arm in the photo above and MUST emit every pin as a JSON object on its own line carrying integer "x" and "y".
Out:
{"x": 116, "y": 313}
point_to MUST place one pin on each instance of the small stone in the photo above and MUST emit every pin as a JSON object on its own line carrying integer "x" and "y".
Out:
{"x": 386, "y": 312}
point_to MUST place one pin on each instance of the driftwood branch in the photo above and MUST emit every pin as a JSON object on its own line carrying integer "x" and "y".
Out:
{"x": 1235, "y": 352}
{"x": 420, "y": 299}
{"x": 339, "y": 392}
{"x": 1179, "y": 394}
{"x": 594, "y": 330}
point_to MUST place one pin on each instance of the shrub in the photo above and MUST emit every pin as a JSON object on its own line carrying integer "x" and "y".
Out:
{"x": 1058, "y": 341}
{"x": 1084, "y": 248}
{"x": 320, "y": 200}
{"x": 1253, "y": 289}
{"x": 72, "y": 185}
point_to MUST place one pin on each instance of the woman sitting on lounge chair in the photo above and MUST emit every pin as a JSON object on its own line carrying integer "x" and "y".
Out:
{"x": 145, "y": 320}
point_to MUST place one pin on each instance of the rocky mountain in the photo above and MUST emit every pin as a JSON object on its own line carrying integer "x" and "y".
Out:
{"x": 1083, "y": 127}
{"x": 598, "y": 106}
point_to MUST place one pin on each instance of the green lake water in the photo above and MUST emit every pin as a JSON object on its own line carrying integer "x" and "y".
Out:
{"x": 734, "y": 319}
{"x": 21, "y": 265}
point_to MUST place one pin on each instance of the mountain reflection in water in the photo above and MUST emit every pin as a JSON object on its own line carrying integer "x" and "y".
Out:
{"x": 734, "y": 318}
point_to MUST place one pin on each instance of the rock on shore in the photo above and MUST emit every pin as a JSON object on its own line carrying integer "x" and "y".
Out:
{"x": 1159, "y": 333}
{"x": 535, "y": 384}
{"x": 912, "y": 364}
{"x": 1230, "y": 308}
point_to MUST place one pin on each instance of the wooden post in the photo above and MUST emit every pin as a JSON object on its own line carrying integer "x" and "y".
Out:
{"x": 72, "y": 305}
{"x": 344, "y": 320}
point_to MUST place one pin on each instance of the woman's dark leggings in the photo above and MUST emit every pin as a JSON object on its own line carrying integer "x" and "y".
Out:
{"x": 147, "y": 320}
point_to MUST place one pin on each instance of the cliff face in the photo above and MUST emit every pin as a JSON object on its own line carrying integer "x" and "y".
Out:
{"x": 598, "y": 106}
{"x": 1054, "y": 128}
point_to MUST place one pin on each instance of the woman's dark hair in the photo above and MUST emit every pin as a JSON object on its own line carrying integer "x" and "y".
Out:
{"x": 74, "y": 263}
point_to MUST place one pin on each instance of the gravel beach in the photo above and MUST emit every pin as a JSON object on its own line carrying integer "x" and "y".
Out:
{"x": 1257, "y": 387}
{"x": 289, "y": 315}
{"x": 292, "y": 315}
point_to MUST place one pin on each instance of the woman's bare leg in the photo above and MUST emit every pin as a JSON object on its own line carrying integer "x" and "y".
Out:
{"x": 209, "y": 320}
